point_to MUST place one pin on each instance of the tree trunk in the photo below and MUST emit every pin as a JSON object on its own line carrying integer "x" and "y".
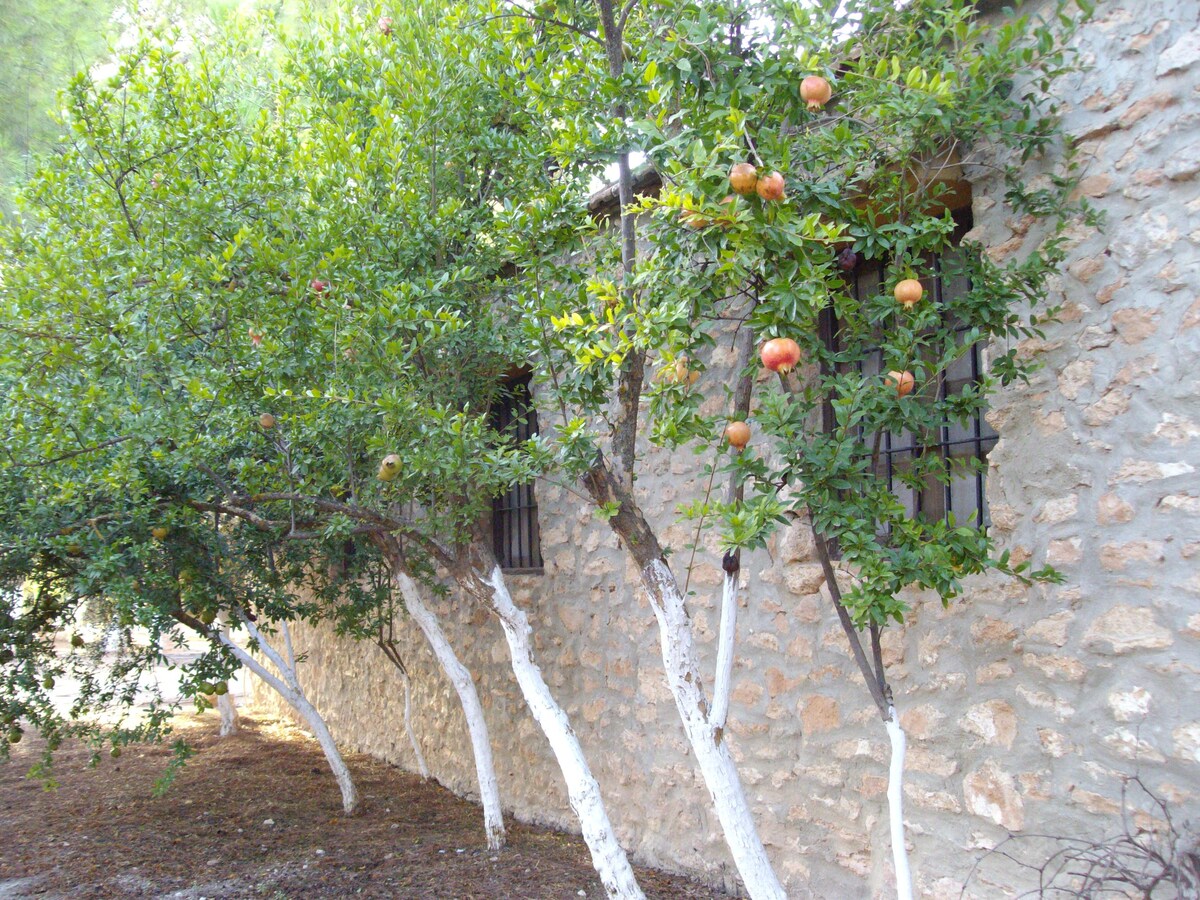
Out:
{"x": 608, "y": 857}
{"x": 422, "y": 767}
{"x": 225, "y": 705}
{"x": 229, "y": 715}
{"x": 881, "y": 693}
{"x": 895, "y": 795}
{"x": 723, "y": 679}
{"x": 464, "y": 684}
{"x": 288, "y": 687}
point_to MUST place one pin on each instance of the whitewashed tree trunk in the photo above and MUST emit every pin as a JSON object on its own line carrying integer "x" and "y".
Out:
{"x": 723, "y": 679}
{"x": 895, "y": 795}
{"x": 583, "y": 791}
{"x": 706, "y": 735}
{"x": 289, "y": 688}
{"x": 229, "y": 715}
{"x": 464, "y": 684}
{"x": 225, "y": 703}
{"x": 422, "y": 767}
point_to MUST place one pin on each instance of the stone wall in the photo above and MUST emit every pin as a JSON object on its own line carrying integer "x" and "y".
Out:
{"x": 1023, "y": 707}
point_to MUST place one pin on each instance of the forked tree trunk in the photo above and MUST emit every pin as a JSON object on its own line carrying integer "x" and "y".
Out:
{"x": 705, "y": 730}
{"x": 464, "y": 685}
{"x": 288, "y": 687}
{"x": 706, "y": 734}
{"x": 583, "y": 791}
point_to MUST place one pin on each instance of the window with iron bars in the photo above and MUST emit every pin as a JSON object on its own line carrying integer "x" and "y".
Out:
{"x": 964, "y": 445}
{"x": 515, "y": 537}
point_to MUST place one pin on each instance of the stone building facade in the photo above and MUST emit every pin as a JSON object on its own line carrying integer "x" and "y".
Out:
{"x": 1024, "y": 707}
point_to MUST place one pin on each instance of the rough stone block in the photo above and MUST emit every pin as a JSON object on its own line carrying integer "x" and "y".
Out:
{"x": 1124, "y": 629}
{"x": 1179, "y": 56}
{"x": 819, "y": 714}
{"x": 991, "y": 793}
{"x": 995, "y": 721}
{"x": 1187, "y": 742}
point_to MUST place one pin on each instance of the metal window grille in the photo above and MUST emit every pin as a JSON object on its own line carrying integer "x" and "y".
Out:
{"x": 964, "y": 445}
{"x": 515, "y": 538}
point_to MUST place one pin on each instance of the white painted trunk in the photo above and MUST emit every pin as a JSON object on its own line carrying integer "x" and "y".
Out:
{"x": 422, "y": 767}
{"x": 464, "y": 685}
{"x": 229, "y": 715}
{"x": 706, "y": 737}
{"x": 725, "y": 644}
{"x": 288, "y": 687}
{"x": 609, "y": 859}
{"x": 225, "y": 704}
{"x": 338, "y": 765}
{"x": 895, "y": 795}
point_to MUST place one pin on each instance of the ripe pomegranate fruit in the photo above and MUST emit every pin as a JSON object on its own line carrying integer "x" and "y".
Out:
{"x": 901, "y": 382}
{"x": 770, "y": 187}
{"x": 742, "y": 178}
{"x": 266, "y": 420}
{"x": 738, "y": 435}
{"x": 815, "y": 91}
{"x": 780, "y": 355}
{"x": 908, "y": 292}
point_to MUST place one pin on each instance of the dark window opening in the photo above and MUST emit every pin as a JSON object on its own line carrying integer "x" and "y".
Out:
{"x": 964, "y": 445}
{"x": 515, "y": 538}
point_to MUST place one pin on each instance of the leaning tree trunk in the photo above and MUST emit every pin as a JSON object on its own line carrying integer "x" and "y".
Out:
{"x": 683, "y": 674}
{"x": 583, "y": 791}
{"x": 464, "y": 684}
{"x": 705, "y": 727}
{"x": 289, "y": 688}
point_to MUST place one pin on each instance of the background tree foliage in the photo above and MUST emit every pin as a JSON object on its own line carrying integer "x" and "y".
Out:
{"x": 218, "y": 238}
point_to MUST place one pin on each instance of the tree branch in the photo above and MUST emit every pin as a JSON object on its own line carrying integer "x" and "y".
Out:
{"x": 221, "y": 482}
{"x": 628, "y": 8}
{"x": 523, "y": 13}
{"x": 835, "y": 592}
{"x": 74, "y": 453}
{"x": 633, "y": 369}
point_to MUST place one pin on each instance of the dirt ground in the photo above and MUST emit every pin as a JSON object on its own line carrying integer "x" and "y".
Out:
{"x": 258, "y": 815}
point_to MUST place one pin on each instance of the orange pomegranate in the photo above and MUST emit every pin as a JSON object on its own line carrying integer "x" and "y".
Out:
{"x": 908, "y": 292}
{"x": 738, "y": 435}
{"x": 901, "y": 382}
{"x": 815, "y": 91}
{"x": 780, "y": 355}
{"x": 742, "y": 178}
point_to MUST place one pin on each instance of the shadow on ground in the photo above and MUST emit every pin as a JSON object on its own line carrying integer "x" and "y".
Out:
{"x": 258, "y": 815}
